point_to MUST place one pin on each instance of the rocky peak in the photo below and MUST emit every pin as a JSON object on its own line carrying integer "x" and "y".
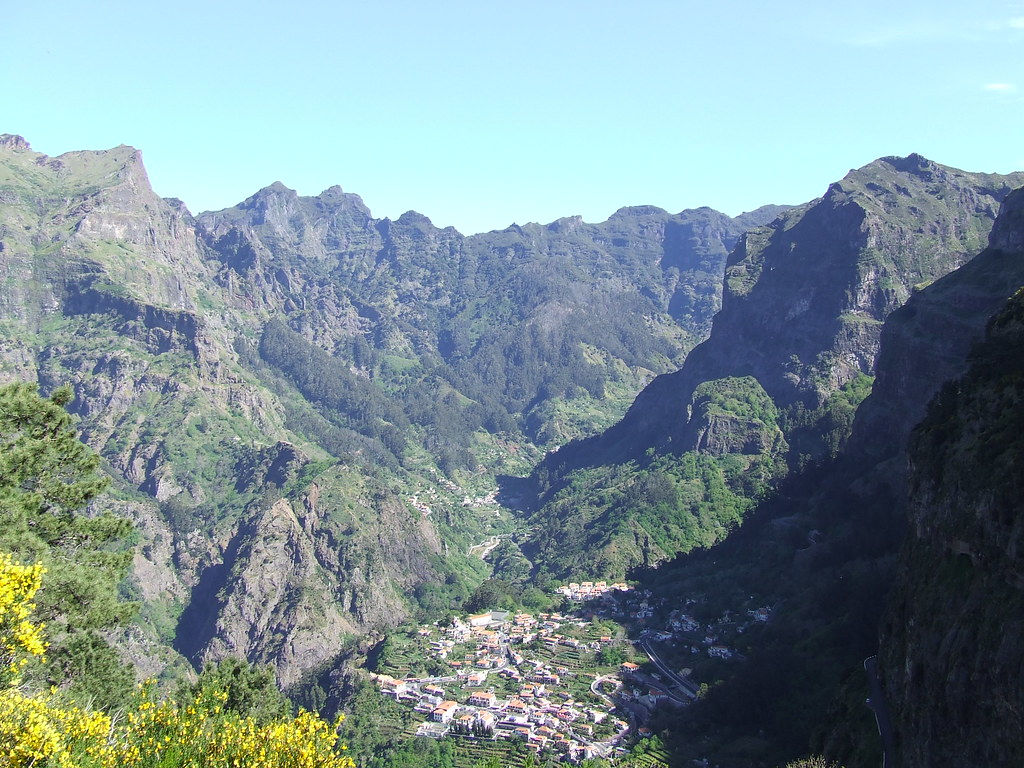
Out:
{"x": 761, "y": 216}
{"x": 1008, "y": 232}
{"x": 566, "y": 224}
{"x": 13, "y": 142}
{"x": 266, "y": 196}
{"x": 926, "y": 342}
{"x": 638, "y": 211}
{"x": 913, "y": 163}
{"x": 335, "y": 199}
{"x": 804, "y": 297}
{"x": 414, "y": 219}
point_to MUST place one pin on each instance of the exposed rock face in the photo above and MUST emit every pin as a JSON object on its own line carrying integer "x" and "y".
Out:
{"x": 952, "y": 658}
{"x": 718, "y": 427}
{"x": 470, "y": 303}
{"x": 259, "y": 618}
{"x": 112, "y": 289}
{"x": 789, "y": 354}
{"x": 806, "y": 296}
{"x": 293, "y": 584}
{"x": 926, "y": 342}
{"x": 266, "y": 537}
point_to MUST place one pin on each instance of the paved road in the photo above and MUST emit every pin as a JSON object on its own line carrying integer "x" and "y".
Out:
{"x": 681, "y": 682}
{"x": 595, "y": 687}
{"x": 485, "y": 547}
{"x": 880, "y": 707}
{"x": 604, "y": 748}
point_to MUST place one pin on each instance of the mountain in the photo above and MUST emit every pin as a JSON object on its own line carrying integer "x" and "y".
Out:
{"x": 926, "y": 342}
{"x": 504, "y": 319}
{"x": 775, "y": 386}
{"x": 110, "y": 288}
{"x": 305, "y": 411}
{"x": 824, "y": 550}
{"x": 951, "y": 658}
{"x": 296, "y": 401}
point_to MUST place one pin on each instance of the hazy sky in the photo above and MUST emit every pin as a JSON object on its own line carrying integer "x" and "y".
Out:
{"x": 479, "y": 114}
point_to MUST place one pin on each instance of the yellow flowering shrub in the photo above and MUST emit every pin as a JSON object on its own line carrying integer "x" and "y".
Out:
{"x": 20, "y": 639}
{"x": 36, "y": 732}
{"x": 40, "y": 731}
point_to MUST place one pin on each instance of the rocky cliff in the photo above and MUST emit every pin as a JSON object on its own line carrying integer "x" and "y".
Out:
{"x": 503, "y": 317}
{"x": 793, "y": 348}
{"x": 294, "y": 398}
{"x": 824, "y": 549}
{"x": 926, "y": 342}
{"x": 805, "y": 297}
{"x": 951, "y": 655}
{"x": 112, "y": 289}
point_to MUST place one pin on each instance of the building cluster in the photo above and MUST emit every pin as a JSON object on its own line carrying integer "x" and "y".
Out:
{"x": 420, "y": 506}
{"x": 588, "y": 590}
{"x": 422, "y": 500}
{"x": 685, "y": 632}
{"x": 761, "y": 614}
{"x": 533, "y": 707}
{"x": 481, "y": 501}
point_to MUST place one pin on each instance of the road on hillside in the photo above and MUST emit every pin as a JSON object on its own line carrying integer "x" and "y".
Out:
{"x": 880, "y": 707}
{"x": 595, "y": 687}
{"x": 484, "y": 548}
{"x": 681, "y": 682}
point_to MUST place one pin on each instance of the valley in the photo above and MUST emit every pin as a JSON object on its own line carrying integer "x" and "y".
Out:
{"x": 568, "y": 682}
{"x": 630, "y": 492}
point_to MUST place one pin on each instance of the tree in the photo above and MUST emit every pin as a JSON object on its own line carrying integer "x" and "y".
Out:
{"x": 47, "y": 480}
{"x": 611, "y": 656}
{"x": 492, "y": 593}
{"x": 250, "y": 690}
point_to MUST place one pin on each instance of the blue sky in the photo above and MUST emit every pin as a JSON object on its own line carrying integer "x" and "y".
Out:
{"x": 483, "y": 114}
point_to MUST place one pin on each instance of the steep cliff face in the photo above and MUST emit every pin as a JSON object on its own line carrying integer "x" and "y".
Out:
{"x": 952, "y": 656}
{"x": 110, "y": 288}
{"x": 280, "y": 389}
{"x": 926, "y": 342}
{"x": 295, "y": 585}
{"x": 805, "y": 297}
{"x": 825, "y": 550}
{"x": 789, "y": 357}
{"x": 503, "y": 317}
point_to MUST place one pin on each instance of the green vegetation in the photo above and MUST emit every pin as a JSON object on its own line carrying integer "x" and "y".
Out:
{"x": 244, "y": 689}
{"x": 47, "y": 478}
{"x": 819, "y": 434}
{"x": 326, "y": 381}
{"x": 371, "y": 374}
{"x": 232, "y": 715}
{"x": 613, "y": 519}
{"x": 648, "y": 753}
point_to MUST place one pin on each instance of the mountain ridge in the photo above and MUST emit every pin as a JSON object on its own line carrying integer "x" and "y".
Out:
{"x": 189, "y": 342}
{"x": 803, "y": 306}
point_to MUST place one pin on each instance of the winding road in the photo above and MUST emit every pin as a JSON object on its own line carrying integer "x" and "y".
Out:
{"x": 880, "y": 707}
{"x": 595, "y": 687}
{"x": 484, "y": 548}
{"x": 681, "y": 682}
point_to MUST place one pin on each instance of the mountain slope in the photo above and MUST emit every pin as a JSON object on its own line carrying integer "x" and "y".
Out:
{"x": 951, "y": 656}
{"x": 295, "y": 399}
{"x": 504, "y": 318}
{"x": 111, "y": 289}
{"x": 776, "y": 384}
{"x": 824, "y": 551}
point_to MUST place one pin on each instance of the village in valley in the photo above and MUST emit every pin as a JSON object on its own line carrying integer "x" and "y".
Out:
{"x": 568, "y": 683}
